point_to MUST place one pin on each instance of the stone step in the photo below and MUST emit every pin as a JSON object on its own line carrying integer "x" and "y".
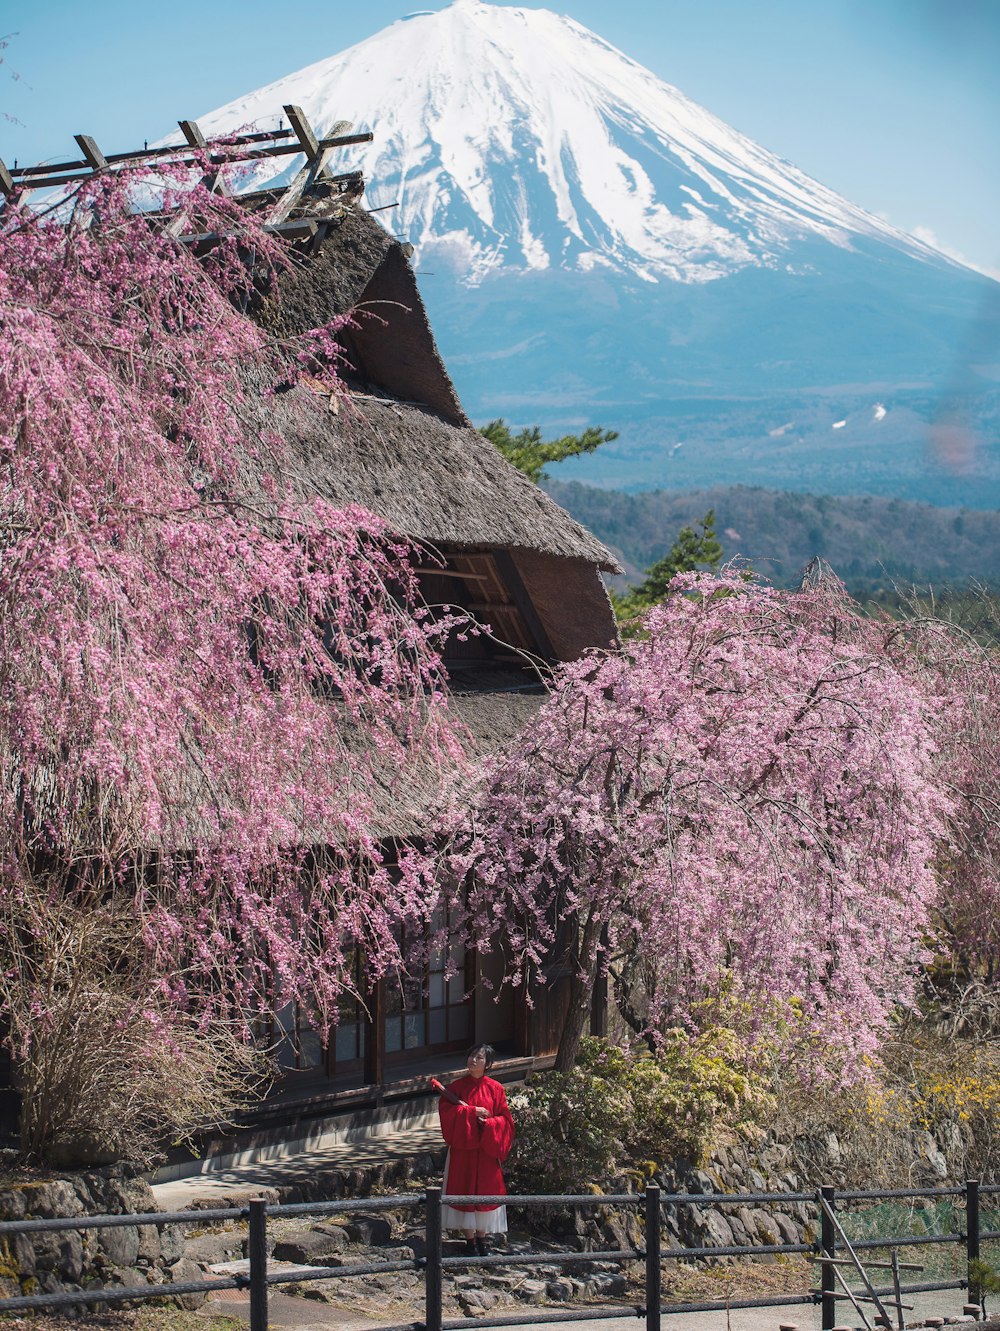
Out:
{"x": 242, "y": 1268}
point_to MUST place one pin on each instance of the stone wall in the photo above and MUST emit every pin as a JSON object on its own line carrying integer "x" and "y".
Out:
{"x": 775, "y": 1166}
{"x": 70, "y": 1260}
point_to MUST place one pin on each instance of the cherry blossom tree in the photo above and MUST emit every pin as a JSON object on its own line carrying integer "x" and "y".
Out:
{"x": 206, "y": 677}
{"x": 950, "y": 643}
{"x": 743, "y": 808}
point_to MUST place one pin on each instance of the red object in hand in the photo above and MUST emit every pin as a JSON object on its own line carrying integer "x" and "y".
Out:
{"x": 443, "y": 1090}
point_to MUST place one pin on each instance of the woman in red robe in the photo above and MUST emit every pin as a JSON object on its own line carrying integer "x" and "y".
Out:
{"x": 479, "y": 1131}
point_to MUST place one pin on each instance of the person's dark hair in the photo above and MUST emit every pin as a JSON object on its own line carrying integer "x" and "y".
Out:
{"x": 486, "y": 1049}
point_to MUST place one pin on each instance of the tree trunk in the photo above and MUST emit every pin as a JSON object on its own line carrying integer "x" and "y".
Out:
{"x": 586, "y": 965}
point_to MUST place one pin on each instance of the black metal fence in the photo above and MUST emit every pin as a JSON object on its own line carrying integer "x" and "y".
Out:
{"x": 435, "y": 1264}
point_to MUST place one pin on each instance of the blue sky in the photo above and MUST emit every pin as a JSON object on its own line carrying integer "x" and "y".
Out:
{"x": 894, "y": 103}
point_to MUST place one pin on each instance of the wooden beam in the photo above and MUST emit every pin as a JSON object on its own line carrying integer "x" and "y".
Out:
{"x": 454, "y": 573}
{"x": 214, "y": 181}
{"x": 94, "y": 157}
{"x": 141, "y": 154}
{"x": 191, "y": 132}
{"x": 6, "y": 179}
{"x": 303, "y": 228}
{"x": 314, "y": 169}
{"x": 304, "y": 178}
{"x": 518, "y": 593}
{"x": 374, "y": 1069}
{"x": 299, "y": 122}
{"x": 522, "y": 1022}
{"x": 488, "y": 663}
{"x": 139, "y": 159}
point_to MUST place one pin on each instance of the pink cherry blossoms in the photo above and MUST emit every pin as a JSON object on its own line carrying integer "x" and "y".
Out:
{"x": 740, "y": 817}
{"x": 206, "y": 678}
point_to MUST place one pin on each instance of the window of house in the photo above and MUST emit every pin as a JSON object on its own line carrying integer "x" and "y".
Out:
{"x": 431, "y": 1008}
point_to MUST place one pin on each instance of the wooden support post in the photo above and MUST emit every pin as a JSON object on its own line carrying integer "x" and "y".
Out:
{"x": 94, "y": 157}
{"x": 299, "y": 122}
{"x": 305, "y": 177}
{"x": 375, "y": 1036}
{"x": 433, "y": 1274}
{"x": 897, "y": 1294}
{"x": 257, "y": 1252}
{"x": 212, "y": 180}
{"x": 316, "y": 165}
{"x": 515, "y": 588}
{"x": 191, "y": 132}
{"x": 652, "y": 1257}
{"x": 522, "y": 1021}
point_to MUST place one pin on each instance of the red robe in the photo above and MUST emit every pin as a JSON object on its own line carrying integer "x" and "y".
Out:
{"x": 477, "y": 1149}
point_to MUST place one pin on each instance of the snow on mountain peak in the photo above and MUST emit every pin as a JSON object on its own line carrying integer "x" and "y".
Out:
{"x": 518, "y": 139}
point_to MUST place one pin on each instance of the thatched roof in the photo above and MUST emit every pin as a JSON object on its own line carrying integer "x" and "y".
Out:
{"x": 358, "y": 268}
{"x": 402, "y": 446}
{"x": 489, "y": 720}
{"x": 429, "y": 480}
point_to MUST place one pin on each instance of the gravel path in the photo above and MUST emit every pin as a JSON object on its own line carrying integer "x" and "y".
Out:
{"x": 292, "y": 1314}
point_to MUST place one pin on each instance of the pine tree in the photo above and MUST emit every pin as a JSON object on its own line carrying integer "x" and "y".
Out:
{"x": 691, "y": 550}
{"x": 530, "y": 453}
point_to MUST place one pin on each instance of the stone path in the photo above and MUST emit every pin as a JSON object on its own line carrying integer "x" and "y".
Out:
{"x": 282, "y": 1171}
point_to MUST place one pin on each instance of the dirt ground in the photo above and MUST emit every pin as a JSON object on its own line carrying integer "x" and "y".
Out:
{"x": 228, "y": 1311}
{"x": 360, "y": 1311}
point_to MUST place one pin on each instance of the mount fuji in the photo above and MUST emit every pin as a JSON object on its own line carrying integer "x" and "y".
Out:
{"x": 592, "y": 245}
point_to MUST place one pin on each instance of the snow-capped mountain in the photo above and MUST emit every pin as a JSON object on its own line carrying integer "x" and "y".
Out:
{"x": 519, "y": 139}
{"x": 594, "y": 247}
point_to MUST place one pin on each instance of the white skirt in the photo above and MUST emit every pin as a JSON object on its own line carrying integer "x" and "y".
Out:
{"x": 479, "y": 1222}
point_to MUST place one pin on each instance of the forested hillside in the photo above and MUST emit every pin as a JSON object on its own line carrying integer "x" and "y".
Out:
{"x": 870, "y": 541}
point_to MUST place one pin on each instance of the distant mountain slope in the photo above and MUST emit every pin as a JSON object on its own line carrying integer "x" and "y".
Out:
{"x": 594, "y": 246}
{"x": 906, "y": 443}
{"x": 868, "y": 541}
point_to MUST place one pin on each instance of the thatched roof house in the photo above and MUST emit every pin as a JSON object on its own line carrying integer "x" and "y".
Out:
{"x": 402, "y": 446}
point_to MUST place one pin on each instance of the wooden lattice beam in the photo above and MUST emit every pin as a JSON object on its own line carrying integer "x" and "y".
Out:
{"x": 251, "y": 147}
{"x": 303, "y": 131}
{"x": 191, "y": 132}
{"x": 95, "y": 159}
{"x": 315, "y": 167}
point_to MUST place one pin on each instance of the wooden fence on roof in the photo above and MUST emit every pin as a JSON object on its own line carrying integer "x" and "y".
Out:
{"x": 298, "y": 139}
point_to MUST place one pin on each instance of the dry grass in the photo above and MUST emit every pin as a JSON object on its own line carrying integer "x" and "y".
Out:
{"x": 737, "y": 1280}
{"x": 146, "y": 1319}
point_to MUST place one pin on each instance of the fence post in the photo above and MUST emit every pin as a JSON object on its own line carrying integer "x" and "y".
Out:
{"x": 257, "y": 1252}
{"x": 652, "y": 1257}
{"x": 828, "y": 1248}
{"x": 972, "y": 1234}
{"x": 432, "y": 1272}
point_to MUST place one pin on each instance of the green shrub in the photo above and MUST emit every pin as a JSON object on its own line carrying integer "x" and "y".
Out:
{"x": 568, "y": 1132}
{"x": 624, "y": 1108}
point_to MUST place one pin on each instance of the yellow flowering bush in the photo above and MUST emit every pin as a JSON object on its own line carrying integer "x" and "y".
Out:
{"x": 923, "y": 1083}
